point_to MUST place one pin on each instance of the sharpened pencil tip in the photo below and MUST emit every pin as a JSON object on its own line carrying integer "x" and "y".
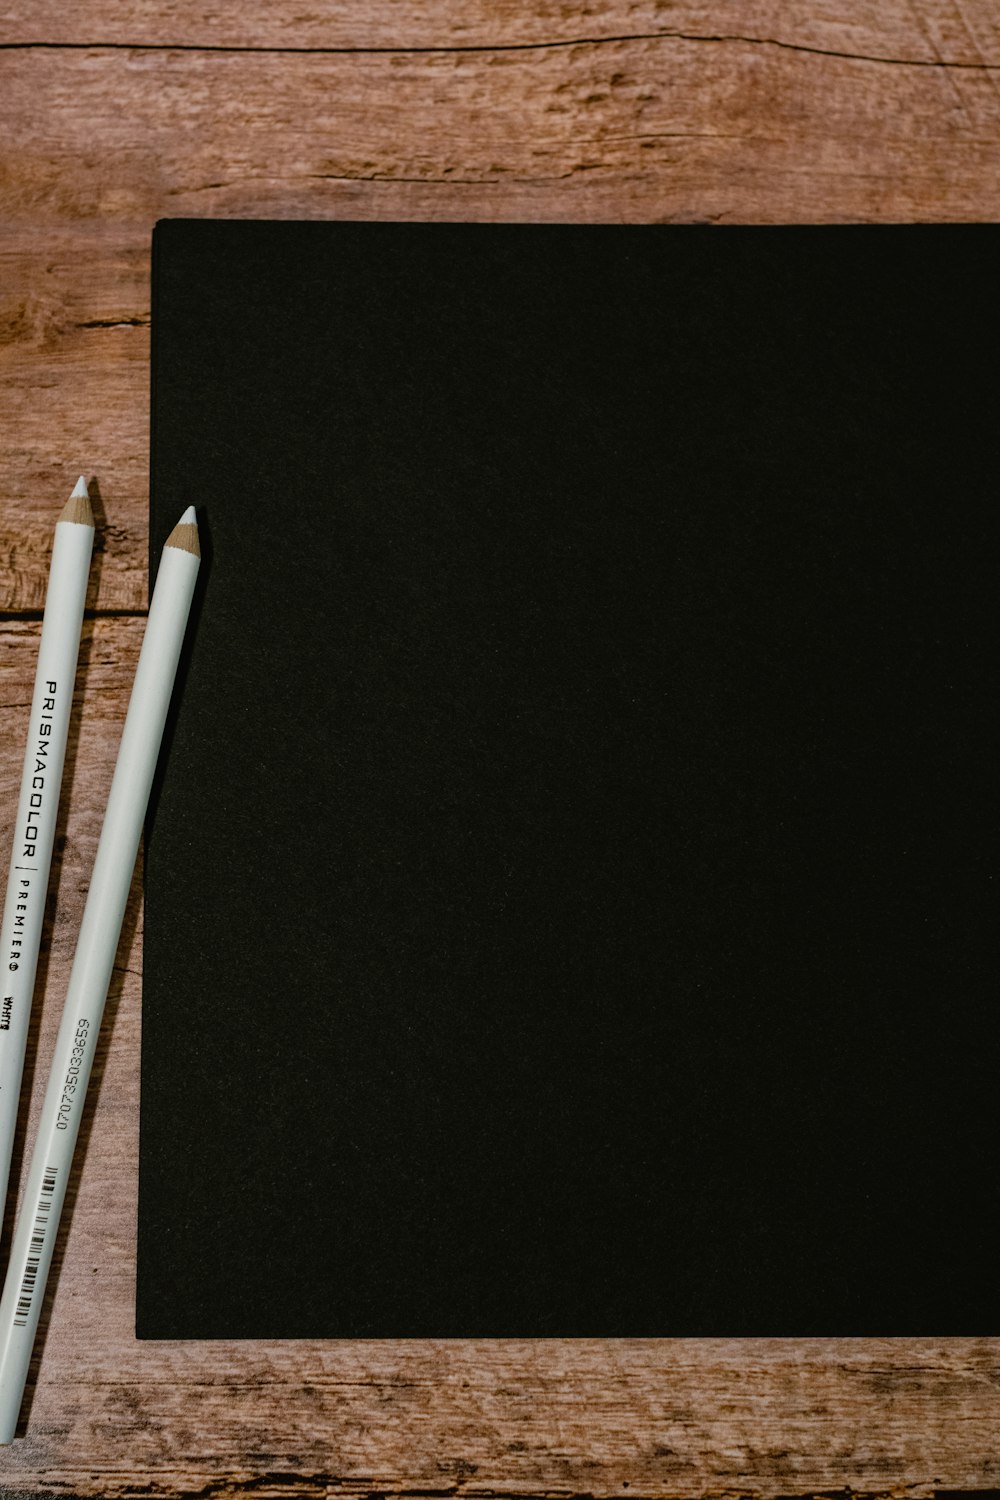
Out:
{"x": 77, "y": 508}
{"x": 185, "y": 534}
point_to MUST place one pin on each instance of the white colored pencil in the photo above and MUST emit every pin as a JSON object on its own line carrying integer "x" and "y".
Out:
{"x": 38, "y": 806}
{"x": 38, "y": 1221}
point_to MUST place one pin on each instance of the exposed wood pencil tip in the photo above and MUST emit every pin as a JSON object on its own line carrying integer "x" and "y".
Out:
{"x": 78, "y": 508}
{"x": 185, "y": 534}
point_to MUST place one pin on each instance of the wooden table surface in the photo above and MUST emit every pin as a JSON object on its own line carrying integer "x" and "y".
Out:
{"x": 115, "y": 114}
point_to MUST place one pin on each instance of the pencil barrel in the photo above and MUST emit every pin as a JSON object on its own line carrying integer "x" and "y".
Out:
{"x": 37, "y": 813}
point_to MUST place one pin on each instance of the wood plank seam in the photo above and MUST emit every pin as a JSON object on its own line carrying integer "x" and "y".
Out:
{"x": 724, "y": 38}
{"x": 89, "y": 614}
{"x": 287, "y": 1485}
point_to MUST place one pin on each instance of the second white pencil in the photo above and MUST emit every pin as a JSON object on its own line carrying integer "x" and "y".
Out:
{"x": 48, "y": 1176}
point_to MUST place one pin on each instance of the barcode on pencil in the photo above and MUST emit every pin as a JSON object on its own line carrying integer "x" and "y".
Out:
{"x": 35, "y": 1248}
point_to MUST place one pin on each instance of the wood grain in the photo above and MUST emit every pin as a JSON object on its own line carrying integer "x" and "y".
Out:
{"x": 935, "y": 30}
{"x": 114, "y": 115}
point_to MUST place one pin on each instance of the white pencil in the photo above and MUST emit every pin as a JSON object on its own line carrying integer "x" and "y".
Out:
{"x": 38, "y": 1221}
{"x": 38, "y": 807}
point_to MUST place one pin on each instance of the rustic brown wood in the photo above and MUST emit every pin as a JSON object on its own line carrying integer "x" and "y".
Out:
{"x": 891, "y": 30}
{"x": 114, "y": 115}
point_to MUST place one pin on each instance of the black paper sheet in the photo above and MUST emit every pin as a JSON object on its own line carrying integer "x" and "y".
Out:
{"x": 570, "y": 900}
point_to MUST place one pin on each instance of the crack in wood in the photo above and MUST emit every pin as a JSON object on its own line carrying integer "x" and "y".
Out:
{"x": 390, "y": 177}
{"x": 115, "y": 323}
{"x": 7, "y": 615}
{"x": 284, "y": 1485}
{"x": 541, "y": 46}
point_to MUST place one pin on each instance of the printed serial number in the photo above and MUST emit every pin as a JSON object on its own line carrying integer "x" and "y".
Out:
{"x": 72, "y": 1074}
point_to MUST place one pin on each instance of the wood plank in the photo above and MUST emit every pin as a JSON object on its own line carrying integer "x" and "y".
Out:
{"x": 74, "y": 393}
{"x": 895, "y": 29}
{"x": 622, "y": 1419}
{"x": 654, "y": 128}
{"x": 645, "y": 129}
{"x": 665, "y": 130}
{"x": 112, "y": 1417}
